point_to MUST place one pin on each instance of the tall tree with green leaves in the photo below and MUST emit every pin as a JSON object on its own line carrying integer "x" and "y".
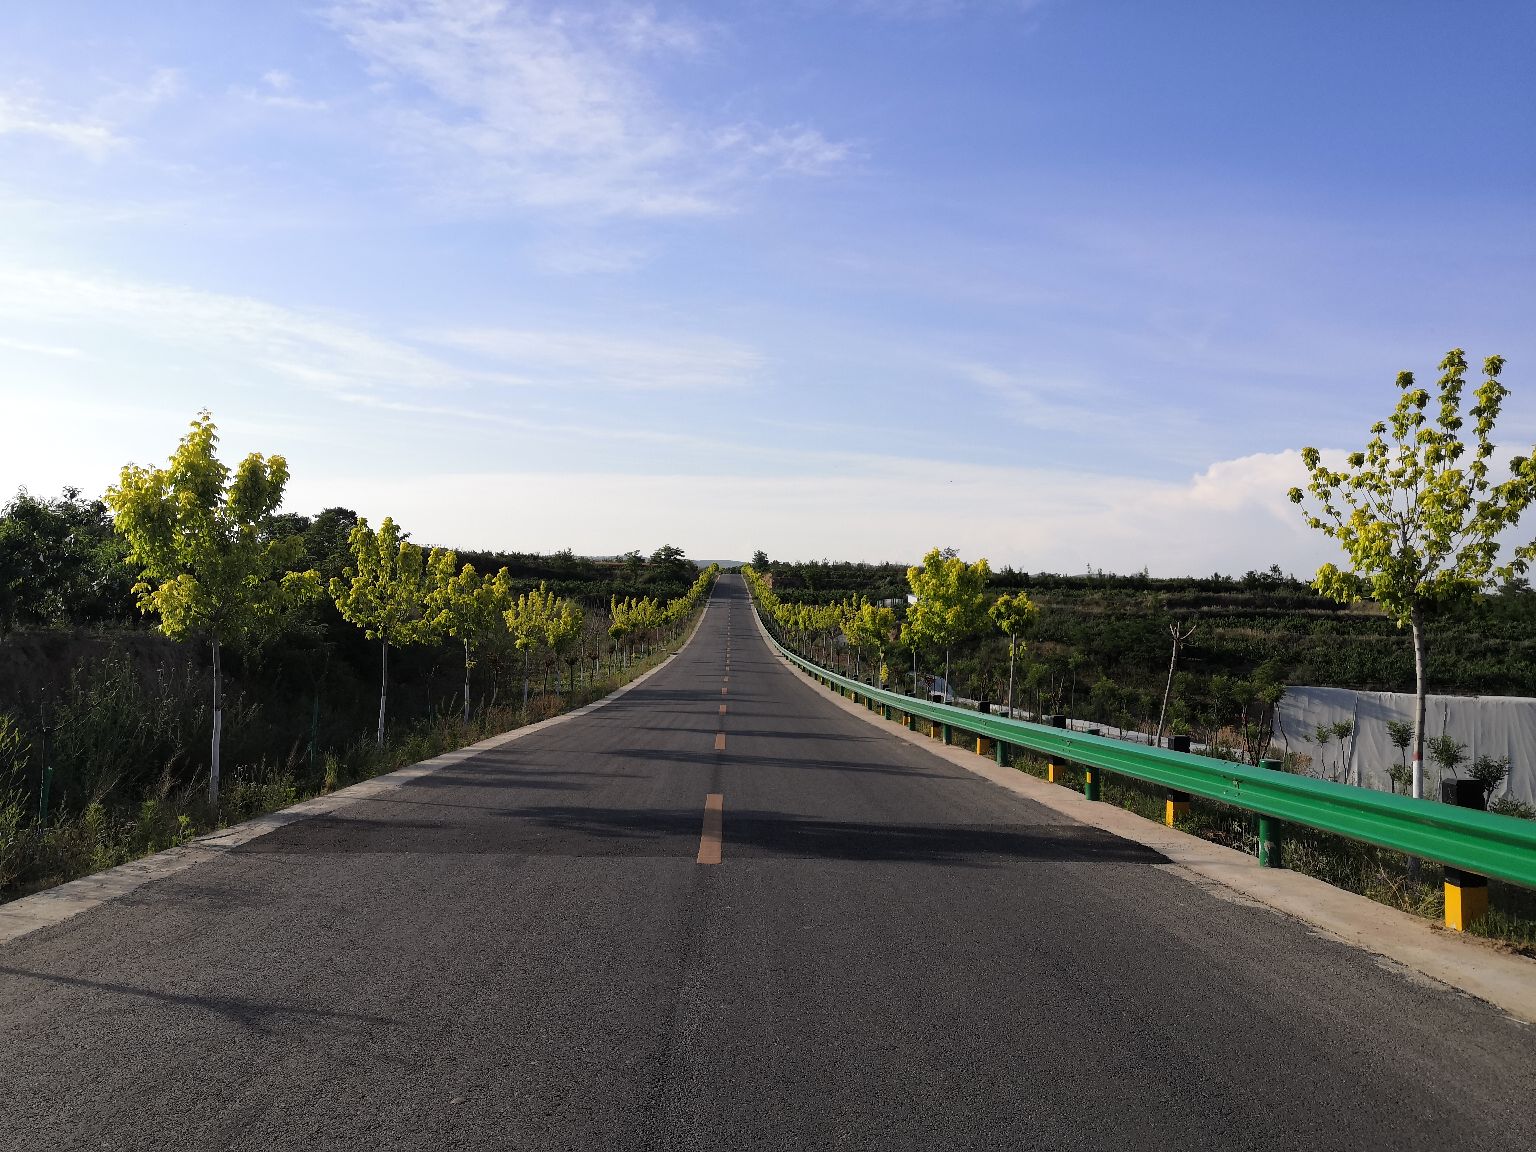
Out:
{"x": 1419, "y": 517}
{"x": 472, "y": 609}
{"x": 389, "y": 591}
{"x": 208, "y": 566}
{"x": 1013, "y": 615}
{"x": 951, "y": 601}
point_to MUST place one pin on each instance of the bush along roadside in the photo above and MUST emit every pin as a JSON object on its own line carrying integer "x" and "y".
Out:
{"x": 40, "y": 849}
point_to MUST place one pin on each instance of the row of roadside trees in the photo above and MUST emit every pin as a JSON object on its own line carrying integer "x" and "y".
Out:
{"x": 214, "y": 565}
{"x": 950, "y": 604}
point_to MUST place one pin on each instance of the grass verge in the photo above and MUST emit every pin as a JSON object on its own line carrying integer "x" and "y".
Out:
{"x": 35, "y": 856}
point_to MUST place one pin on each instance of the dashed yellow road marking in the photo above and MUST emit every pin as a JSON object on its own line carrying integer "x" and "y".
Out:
{"x": 719, "y": 741}
{"x": 710, "y": 836}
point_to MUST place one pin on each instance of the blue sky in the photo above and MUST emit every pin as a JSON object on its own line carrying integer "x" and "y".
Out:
{"x": 1062, "y": 283}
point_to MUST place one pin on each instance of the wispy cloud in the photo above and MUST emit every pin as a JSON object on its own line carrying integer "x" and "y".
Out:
{"x": 940, "y": 9}
{"x": 545, "y": 106}
{"x": 87, "y": 135}
{"x": 95, "y": 131}
{"x": 609, "y": 361}
{"x": 340, "y": 355}
{"x": 278, "y": 90}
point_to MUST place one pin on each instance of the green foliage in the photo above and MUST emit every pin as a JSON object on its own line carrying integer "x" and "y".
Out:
{"x": 208, "y": 566}
{"x": 1489, "y": 771}
{"x": 1419, "y": 522}
{"x": 1447, "y": 753}
{"x": 390, "y": 589}
{"x": 472, "y": 609}
{"x": 61, "y": 563}
{"x": 1014, "y": 614}
{"x": 951, "y": 602}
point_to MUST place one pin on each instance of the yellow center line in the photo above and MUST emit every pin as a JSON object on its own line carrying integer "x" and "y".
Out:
{"x": 719, "y": 741}
{"x": 723, "y": 691}
{"x": 709, "y": 838}
{"x": 722, "y": 709}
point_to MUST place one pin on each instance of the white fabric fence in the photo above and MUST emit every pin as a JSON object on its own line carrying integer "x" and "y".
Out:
{"x": 1500, "y": 726}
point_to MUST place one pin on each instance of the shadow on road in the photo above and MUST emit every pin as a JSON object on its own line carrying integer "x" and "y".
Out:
{"x": 252, "y": 1014}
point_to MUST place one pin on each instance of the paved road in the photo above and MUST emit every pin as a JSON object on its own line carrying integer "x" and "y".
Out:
{"x": 524, "y": 952}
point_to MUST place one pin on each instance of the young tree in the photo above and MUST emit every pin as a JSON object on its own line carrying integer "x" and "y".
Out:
{"x": 472, "y": 609}
{"x": 529, "y": 622}
{"x": 389, "y": 593}
{"x": 951, "y": 601}
{"x": 207, "y": 565}
{"x": 1420, "y": 523}
{"x": 1179, "y": 634}
{"x": 1013, "y": 615}
{"x": 1400, "y": 733}
{"x": 563, "y": 631}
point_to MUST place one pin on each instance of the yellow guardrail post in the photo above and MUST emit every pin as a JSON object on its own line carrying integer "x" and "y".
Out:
{"x": 1466, "y": 893}
{"x": 1054, "y": 771}
{"x": 1093, "y": 778}
{"x": 1176, "y": 806}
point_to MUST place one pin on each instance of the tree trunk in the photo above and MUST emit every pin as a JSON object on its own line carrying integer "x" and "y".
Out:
{"x": 1012, "y": 649}
{"x": 468, "y": 664}
{"x": 948, "y": 692}
{"x": 1157, "y": 740}
{"x": 1416, "y": 621}
{"x": 218, "y": 726}
{"x": 383, "y": 686}
{"x": 525, "y": 682}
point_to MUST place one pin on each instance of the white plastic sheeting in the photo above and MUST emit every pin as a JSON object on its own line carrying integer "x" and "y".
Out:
{"x": 1487, "y": 725}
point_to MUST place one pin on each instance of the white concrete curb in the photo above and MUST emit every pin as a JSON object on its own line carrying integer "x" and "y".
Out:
{"x": 1465, "y": 963}
{"x": 55, "y": 905}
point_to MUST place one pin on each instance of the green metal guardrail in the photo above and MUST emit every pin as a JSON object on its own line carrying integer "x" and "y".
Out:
{"x": 1485, "y": 843}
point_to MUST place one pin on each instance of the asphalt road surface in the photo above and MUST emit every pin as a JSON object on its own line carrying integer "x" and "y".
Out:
{"x": 533, "y": 950}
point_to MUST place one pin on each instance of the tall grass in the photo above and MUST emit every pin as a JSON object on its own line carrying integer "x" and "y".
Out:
{"x": 128, "y": 752}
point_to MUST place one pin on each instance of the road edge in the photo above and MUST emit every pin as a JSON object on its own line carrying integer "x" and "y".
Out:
{"x": 1466, "y": 965}
{"x": 63, "y": 902}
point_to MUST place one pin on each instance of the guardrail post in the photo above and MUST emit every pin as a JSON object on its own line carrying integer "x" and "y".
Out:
{"x": 885, "y": 711}
{"x": 910, "y": 721}
{"x": 1093, "y": 778}
{"x": 1053, "y": 770}
{"x": 1271, "y": 831}
{"x": 945, "y": 732}
{"x": 1176, "y": 806}
{"x": 1002, "y": 752}
{"x": 1466, "y": 893}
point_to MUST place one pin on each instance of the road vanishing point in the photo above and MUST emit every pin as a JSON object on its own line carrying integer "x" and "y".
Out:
{"x": 722, "y": 912}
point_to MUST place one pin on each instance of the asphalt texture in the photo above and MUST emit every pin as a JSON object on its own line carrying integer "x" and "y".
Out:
{"x": 522, "y": 952}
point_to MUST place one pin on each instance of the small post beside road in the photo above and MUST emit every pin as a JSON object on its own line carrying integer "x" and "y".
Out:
{"x": 1053, "y": 770}
{"x": 1466, "y": 893}
{"x": 1176, "y": 806}
{"x": 1271, "y": 831}
{"x": 45, "y": 785}
{"x": 1093, "y": 778}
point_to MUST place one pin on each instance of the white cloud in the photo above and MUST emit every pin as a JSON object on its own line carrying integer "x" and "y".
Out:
{"x": 1031, "y": 519}
{"x": 97, "y": 132}
{"x": 940, "y": 9}
{"x": 543, "y": 106}
{"x": 251, "y": 340}
{"x": 606, "y": 360}
{"x": 87, "y": 135}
